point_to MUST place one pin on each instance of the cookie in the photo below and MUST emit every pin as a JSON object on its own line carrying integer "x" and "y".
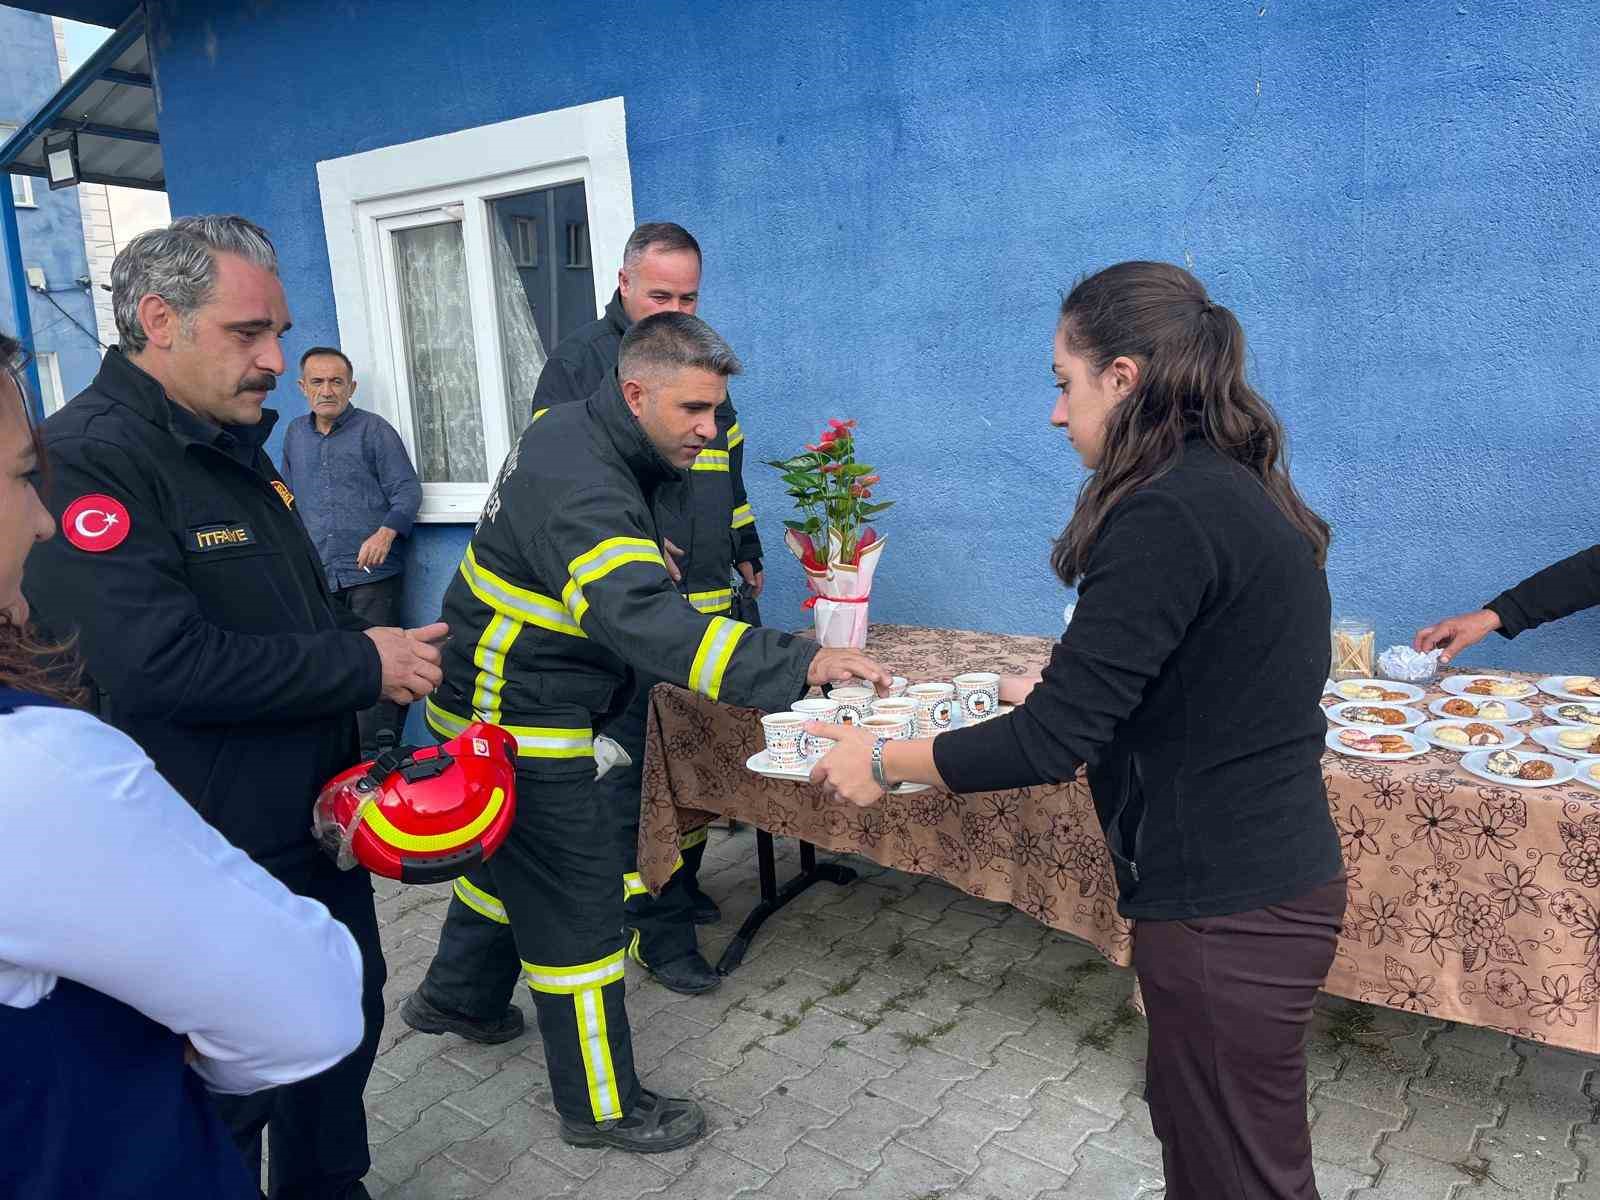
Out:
{"x": 1460, "y": 708}
{"x": 1536, "y": 768}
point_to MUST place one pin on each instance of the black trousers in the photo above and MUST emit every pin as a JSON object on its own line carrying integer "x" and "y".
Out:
{"x": 379, "y": 603}
{"x": 317, "y": 1129}
{"x": 1229, "y": 1002}
{"x": 477, "y": 966}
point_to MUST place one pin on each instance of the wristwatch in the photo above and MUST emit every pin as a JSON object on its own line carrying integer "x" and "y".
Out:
{"x": 878, "y": 776}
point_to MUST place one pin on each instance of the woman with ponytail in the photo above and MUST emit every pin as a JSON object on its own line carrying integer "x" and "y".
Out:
{"x": 1188, "y": 684}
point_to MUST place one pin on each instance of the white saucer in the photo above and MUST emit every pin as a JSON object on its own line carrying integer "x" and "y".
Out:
{"x": 1511, "y": 737}
{"x": 1457, "y": 685}
{"x": 1548, "y": 736}
{"x": 1333, "y": 743}
{"x": 1412, "y": 692}
{"x": 1336, "y": 714}
{"x": 1566, "y": 768}
{"x": 759, "y": 763}
{"x": 1554, "y": 685}
{"x": 1516, "y": 712}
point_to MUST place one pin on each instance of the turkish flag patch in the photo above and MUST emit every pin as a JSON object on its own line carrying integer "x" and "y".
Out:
{"x": 96, "y": 523}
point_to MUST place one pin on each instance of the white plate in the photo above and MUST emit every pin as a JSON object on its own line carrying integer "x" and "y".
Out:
{"x": 1412, "y": 693}
{"x": 1581, "y": 775}
{"x": 1548, "y": 736}
{"x": 758, "y": 763}
{"x": 1334, "y": 744}
{"x": 1515, "y": 713}
{"x": 1555, "y": 685}
{"x": 1566, "y": 768}
{"x": 1553, "y": 711}
{"x": 1511, "y": 737}
{"x": 1413, "y": 717}
{"x": 1456, "y": 685}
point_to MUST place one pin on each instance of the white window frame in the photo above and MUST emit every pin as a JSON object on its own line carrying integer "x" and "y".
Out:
{"x": 21, "y": 185}
{"x": 49, "y": 364}
{"x": 456, "y": 176}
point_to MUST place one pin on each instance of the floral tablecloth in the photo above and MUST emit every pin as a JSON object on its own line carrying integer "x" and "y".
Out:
{"x": 1468, "y": 901}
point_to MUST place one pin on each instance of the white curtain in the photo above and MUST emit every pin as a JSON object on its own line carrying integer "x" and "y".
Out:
{"x": 520, "y": 344}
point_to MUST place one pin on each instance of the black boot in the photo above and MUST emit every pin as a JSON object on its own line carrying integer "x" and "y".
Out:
{"x": 424, "y": 1017}
{"x": 690, "y": 975}
{"x": 702, "y": 908}
{"x": 655, "y": 1125}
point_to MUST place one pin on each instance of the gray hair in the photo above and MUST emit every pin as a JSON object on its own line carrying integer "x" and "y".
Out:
{"x": 179, "y": 264}
{"x": 657, "y": 235}
{"x": 671, "y": 341}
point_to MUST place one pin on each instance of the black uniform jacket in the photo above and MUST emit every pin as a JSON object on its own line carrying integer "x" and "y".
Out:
{"x": 709, "y": 516}
{"x": 201, "y": 609}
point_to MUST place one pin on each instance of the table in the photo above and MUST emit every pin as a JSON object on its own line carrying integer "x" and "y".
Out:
{"x": 1469, "y": 902}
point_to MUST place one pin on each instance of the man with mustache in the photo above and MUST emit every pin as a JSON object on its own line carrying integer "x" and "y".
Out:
{"x": 204, "y": 619}
{"x": 358, "y": 494}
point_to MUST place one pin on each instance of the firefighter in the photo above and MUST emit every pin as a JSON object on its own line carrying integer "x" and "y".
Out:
{"x": 205, "y": 621}
{"x": 707, "y": 514}
{"x": 562, "y": 599}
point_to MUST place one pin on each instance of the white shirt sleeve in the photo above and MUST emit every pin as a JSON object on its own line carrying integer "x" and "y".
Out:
{"x": 112, "y": 880}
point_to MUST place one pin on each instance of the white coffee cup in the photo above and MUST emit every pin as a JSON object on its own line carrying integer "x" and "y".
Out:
{"x": 979, "y": 694}
{"x": 783, "y": 732}
{"x": 897, "y": 686}
{"x": 822, "y": 708}
{"x": 935, "y": 706}
{"x": 887, "y": 725}
{"x": 854, "y": 703}
{"x": 896, "y": 706}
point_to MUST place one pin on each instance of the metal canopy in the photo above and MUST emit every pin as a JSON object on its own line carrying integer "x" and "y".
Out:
{"x": 110, "y": 102}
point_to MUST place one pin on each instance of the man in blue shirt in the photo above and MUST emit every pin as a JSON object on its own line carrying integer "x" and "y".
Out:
{"x": 357, "y": 493}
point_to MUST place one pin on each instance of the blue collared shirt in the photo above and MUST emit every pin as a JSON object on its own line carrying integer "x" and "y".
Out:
{"x": 346, "y": 484}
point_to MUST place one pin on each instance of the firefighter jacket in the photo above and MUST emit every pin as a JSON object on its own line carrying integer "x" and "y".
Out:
{"x": 201, "y": 609}
{"x": 720, "y": 528}
{"x": 563, "y": 597}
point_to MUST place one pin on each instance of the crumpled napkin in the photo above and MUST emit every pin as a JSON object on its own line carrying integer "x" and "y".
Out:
{"x": 1406, "y": 665}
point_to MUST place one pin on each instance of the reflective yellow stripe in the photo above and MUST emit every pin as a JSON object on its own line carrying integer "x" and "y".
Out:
{"x": 537, "y": 413}
{"x": 693, "y": 838}
{"x": 633, "y": 885}
{"x": 489, "y": 656}
{"x": 516, "y": 602}
{"x": 742, "y": 516}
{"x": 596, "y": 564}
{"x": 711, "y": 659}
{"x": 711, "y": 460}
{"x": 735, "y": 435}
{"x": 590, "y": 1009}
{"x": 561, "y": 981}
{"x": 479, "y": 901}
{"x": 533, "y": 741}
{"x": 633, "y": 949}
{"x": 712, "y": 602}
{"x": 373, "y": 817}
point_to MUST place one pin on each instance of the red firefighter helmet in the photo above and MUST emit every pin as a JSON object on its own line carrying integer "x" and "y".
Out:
{"x": 422, "y": 814}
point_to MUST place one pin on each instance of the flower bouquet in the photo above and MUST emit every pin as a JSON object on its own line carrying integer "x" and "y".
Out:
{"x": 836, "y": 547}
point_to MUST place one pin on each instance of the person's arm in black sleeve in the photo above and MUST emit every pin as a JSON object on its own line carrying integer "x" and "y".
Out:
{"x": 1147, "y": 577}
{"x": 746, "y": 541}
{"x": 140, "y": 626}
{"x": 599, "y": 540}
{"x": 1561, "y": 589}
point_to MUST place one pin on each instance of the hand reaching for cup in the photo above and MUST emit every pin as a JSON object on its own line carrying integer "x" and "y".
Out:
{"x": 836, "y": 664}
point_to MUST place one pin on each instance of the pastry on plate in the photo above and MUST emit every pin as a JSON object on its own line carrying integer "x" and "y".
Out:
{"x": 1594, "y": 772}
{"x": 1349, "y": 689}
{"x": 1493, "y": 710}
{"x": 1453, "y": 735}
{"x": 1480, "y": 687}
{"x": 1503, "y": 762}
{"x": 1575, "y": 739}
{"x": 1577, "y": 712}
{"x": 1582, "y": 685}
{"x": 1392, "y": 743}
{"x": 1480, "y": 734}
{"x": 1536, "y": 768}
{"x": 1395, "y": 697}
{"x": 1508, "y": 689}
{"x": 1460, "y": 708}
{"x": 1359, "y": 739}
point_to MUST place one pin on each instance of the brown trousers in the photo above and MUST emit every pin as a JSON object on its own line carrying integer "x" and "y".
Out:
{"x": 1229, "y": 1003}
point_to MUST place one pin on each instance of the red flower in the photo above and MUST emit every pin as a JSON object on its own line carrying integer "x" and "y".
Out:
{"x": 840, "y": 426}
{"x": 828, "y": 437}
{"x": 809, "y": 446}
{"x": 868, "y": 480}
{"x": 831, "y": 468}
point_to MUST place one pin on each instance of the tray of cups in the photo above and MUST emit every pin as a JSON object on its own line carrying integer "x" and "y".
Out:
{"x": 1375, "y": 689}
{"x": 1571, "y": 687}
{"x": 1519, "y": 768}
{"x": 1367, "y": 715}
{"x": 1466, "y": 736}
{"x": 1570, "y": 741}
{"x": 1574, "y": 713}
{"x": 1496, "y": 712}
{"x": 1501, "y": 687}
{"x": 1376, "y": 744}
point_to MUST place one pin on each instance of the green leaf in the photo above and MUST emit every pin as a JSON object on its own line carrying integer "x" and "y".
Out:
{"x": 854, "y": 469}
{"x": 797, "y": 526}
{"x": 869, "y": 510}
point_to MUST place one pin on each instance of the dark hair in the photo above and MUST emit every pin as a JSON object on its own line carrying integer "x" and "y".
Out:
{"x": 672, "y": 340}
{"x": 26, "y": 663}
{"x": 1191, "y": 356}
{"x": 657, "y": 235}
{"x": 334, "y": 350}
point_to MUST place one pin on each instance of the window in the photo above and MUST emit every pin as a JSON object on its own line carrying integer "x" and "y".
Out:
{"x": 50, "y": 389}
{"x": 21, "y": 185}
{"x": 524, "y": 242}
{"x": 444, "y": 298}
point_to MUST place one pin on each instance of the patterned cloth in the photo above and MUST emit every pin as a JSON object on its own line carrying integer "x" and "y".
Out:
{"x": 1468, "y": 901}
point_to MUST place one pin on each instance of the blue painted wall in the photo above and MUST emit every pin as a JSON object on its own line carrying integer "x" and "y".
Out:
{"x": 1398, "y": 200}
{"x": 52, "y": 233}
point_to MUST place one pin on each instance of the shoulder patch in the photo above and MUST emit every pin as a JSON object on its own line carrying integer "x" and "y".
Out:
{"x": 284, "y": 493}
{"x": 96, "y": 523}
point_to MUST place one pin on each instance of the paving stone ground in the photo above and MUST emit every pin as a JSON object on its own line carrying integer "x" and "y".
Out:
{"x": 899, "y": 1040}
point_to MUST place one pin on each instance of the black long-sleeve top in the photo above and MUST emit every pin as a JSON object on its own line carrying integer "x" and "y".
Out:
{"x": 1561, "y": 589}
{"x": 1188, "y": 682}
